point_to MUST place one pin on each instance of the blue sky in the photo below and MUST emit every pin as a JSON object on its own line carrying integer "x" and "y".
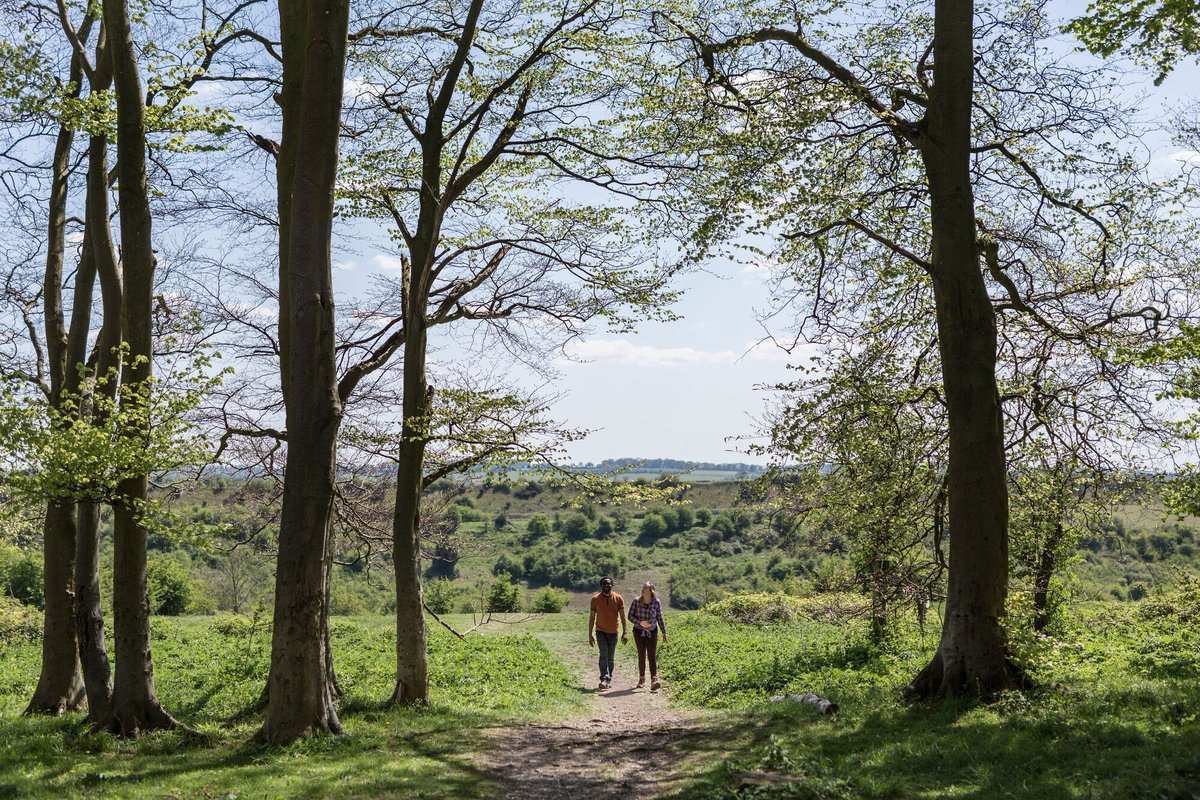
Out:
{"x": 690, "y": 388}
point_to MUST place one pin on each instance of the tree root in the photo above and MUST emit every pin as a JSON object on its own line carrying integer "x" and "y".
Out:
{"x": 935, "y": 683}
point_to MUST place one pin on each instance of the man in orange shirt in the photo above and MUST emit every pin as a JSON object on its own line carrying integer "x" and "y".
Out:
{"x": 607, "y": 608}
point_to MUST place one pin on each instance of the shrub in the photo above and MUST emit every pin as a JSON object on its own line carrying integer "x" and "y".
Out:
{"x": 500, "y": 522}
{"x": 653, "y": 526}
{"x": 503, "y": 596}
{"x": 18, "y": 622}
{"x": 507, "y": 564}
{"x": 538, "y": 527}
{"x": 440, "y": 595}
{"x": 233, "y": 625}
{"x": 23, "y": 580}
{"x": 169, "y": 585}
{"x": 549, "y": 600}
{"x": 577, "y": 527}
{"x": 574, "y": 565}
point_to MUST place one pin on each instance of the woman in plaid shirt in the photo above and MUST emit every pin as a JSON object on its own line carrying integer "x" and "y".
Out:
{"x": 646, "y": 615}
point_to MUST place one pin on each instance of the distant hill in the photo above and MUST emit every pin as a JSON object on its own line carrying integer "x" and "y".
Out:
{"x": 672, "y": 465}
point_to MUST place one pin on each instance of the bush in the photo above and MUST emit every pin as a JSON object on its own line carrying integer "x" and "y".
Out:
{"x": 549, "y": 601}
{"x": 507, "y": 564}
{"x": 653, "y": 526}
{"x": 577, "y": 527}
{"x": 503, "y": 596}
{"x": 18, "y": 622}
{"x": 169, "y": 585}
{"x": 574, "y": 565}
{"x": 500, "y": 522}
{"x": 538, "y": 527}
{"x": 23, "y": 580}
{"x": 440, "y": 595}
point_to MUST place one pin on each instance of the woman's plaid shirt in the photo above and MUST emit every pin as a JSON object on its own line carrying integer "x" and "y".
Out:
{"x": 647, "y": 612}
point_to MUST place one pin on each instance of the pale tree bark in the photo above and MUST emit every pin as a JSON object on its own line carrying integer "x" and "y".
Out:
{"x": 300, "y": 701}
{"x": 972, "y": 656}
{"x": 135, "y": 706}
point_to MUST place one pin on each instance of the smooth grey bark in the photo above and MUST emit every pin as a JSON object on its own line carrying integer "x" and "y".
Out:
{"x": 299, "y": 696}
{"x": 972, "y": 656}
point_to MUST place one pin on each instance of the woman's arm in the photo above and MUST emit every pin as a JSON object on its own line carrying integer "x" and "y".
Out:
{"x": 662, "y": 625}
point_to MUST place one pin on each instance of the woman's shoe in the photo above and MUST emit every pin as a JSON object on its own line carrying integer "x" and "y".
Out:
{"x": 654, "y": 684}
{"x": 641, "y": 683}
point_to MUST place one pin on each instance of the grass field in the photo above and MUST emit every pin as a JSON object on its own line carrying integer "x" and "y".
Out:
{"x": 1117, "y": 714}
{"x": 209, "y": 672}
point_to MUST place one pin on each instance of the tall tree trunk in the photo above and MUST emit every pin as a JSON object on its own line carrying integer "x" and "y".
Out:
{"x": 135, "y": 706}
{"x": 971, "y": 658}
{"x": 335, "y": 688}
{"x": 412, "y": 668}
{"x": 89, "y": 619}
{"x": 300, "y": 701}
{"x": 89, "y": 616}
{"x": 60, "y": 686}
{"x": 293, "y": 29}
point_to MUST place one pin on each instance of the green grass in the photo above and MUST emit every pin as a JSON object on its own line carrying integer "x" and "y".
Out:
{"x": 1116, "y": 717}
{"x": 209, "y": 673}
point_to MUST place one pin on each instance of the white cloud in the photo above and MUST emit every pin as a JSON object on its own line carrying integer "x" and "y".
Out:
{"x": 620, "y": 351}
{"x": 344, "y": 266}
{"x": 1189, "y": 157}
{"x": 387, "y": 263}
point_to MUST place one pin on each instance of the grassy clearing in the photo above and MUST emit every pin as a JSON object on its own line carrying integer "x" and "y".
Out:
{"x": 210, "y": 671}
{"x": 1117, "y": 719}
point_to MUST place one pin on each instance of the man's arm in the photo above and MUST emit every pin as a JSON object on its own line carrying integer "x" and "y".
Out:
{"x": 591, "y": 625}
{"x": 621, "y": 616}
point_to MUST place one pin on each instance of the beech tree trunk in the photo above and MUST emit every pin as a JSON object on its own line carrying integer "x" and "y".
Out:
{"x": 300, "y": 701}
{"x": 135, "y": 706}
{"x": 89, "y": 618}
{"x": 412, "y": 667}
{"x": 971, "y": 658}
{"x": 60, "y": 686}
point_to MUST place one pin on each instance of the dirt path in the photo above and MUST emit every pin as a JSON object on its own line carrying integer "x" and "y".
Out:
{"x": 622, "y": 748}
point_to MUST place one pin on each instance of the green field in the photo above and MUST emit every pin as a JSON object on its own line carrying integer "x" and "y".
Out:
{"x": 1117, "y": 715}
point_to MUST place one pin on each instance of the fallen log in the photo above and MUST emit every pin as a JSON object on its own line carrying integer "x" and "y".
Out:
{"x": 822, "y": 705}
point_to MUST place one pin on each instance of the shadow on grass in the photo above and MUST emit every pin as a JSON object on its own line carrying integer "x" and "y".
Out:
{"x": 401, "y": 753}
{"x": 1127, "y": 744}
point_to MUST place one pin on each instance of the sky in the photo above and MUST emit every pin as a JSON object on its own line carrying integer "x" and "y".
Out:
{"x": 693, "y": 388}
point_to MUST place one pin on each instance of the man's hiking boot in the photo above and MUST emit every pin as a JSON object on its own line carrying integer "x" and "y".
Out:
{"x": 603, "y": 685}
